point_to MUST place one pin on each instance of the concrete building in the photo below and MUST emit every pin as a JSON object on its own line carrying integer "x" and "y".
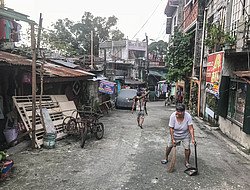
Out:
{"x": 234, "y": 101}
{"x": 125, "y": 61}
{"x": 221, "y": 73}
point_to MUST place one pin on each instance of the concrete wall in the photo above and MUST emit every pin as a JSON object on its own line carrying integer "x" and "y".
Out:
{"x": 93, "y": 91}
{"x": 234, "y": 132}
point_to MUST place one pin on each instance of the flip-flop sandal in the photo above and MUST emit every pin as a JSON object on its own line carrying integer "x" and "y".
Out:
{"x": 164, "y": 161}
{"x": 188, "y": 165}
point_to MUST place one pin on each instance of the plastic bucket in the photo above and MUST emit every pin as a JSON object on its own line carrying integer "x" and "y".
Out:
{"x": 10, "y": 135}
{"x": 5, "y": 168}
{"x": 49, "y": 140}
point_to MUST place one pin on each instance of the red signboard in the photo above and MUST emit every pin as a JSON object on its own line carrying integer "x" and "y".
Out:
{"x": 214, "y": 64}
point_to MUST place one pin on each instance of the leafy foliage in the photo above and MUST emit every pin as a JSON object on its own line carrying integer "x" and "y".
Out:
{"x": 158, "y": 48}
{"x": 217, "y": 38}
{"x": 70, "y": 38}
{"x": 179, "y": 57}
{"x": 3, "y": 156}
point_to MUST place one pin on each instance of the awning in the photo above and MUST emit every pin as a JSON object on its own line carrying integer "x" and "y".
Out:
{"x": 133, "y": 82}
{"x": 10, "y": 13}
{"x": 244, "y": 75}
{"x": 155, "y": 73}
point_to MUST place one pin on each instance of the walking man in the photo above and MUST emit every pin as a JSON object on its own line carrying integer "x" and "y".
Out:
{"x": 140, "y": 104}
{"x": 181, "y": 131}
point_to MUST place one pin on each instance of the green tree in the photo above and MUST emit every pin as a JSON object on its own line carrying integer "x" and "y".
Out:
{"x": 179, "y": 57}
{"x": 158, "y": 48}
{"x": 70, "y": 38}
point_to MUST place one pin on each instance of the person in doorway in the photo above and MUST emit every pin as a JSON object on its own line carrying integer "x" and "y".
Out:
{"x": 140, "y": 104}
{"x": 181, "y": 131}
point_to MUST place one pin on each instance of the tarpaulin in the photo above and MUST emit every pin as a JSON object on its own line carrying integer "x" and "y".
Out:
{"x": 106, "y": 87}
{"x": 214, "y": 64}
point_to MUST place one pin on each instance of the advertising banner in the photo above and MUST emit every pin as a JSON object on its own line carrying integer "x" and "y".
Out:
{"x": 106, "y": 87}
{"x": 214, "y": 64}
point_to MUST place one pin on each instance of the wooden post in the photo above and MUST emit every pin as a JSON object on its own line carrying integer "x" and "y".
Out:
{"x": 33, "y": 47}
{"x": 39, "y": 35}
{"x": 2, "y": 3}
{"x": 92, "y": 50}
{"x": 41, "y": 72}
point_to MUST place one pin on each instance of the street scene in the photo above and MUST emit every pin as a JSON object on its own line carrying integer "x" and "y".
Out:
{"x": 104, "y": 95}
{"x": 129, "y": 157}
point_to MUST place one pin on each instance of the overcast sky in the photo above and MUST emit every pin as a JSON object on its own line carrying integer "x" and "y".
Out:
{"x": 131, "y": 14}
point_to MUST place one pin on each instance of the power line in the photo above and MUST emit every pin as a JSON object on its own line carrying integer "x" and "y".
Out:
{"x": 147, "y": 20}
{"x": 160, "y": 32}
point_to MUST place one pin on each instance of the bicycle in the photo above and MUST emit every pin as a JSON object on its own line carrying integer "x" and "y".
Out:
{"x": 83, "y": 125}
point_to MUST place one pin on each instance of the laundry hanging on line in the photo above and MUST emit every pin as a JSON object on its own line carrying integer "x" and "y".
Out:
{"x": 9, "y": 30}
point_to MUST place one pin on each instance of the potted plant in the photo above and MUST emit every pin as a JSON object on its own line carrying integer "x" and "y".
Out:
{"x": 215, "y": 37}
{"x": 230, "y": 41}
{"x": 5, "y": 165}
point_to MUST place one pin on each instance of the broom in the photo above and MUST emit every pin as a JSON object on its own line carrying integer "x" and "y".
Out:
{"x": 172, "y": 163}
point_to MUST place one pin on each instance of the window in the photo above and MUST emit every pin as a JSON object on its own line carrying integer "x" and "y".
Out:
{"x": 175, "y": 23}
{"x": 237, "y": 100}
{"x": 236, "y": 13}
{"x": 239, "y": 8}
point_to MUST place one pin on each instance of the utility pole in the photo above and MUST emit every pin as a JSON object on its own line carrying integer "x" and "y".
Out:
{"x": 33, "y": 47}
{"x": 105, "y": 63}
{"x": 147, "y": 62}
{"x": 92, "y": 50}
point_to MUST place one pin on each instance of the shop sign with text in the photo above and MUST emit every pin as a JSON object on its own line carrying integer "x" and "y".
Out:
{"x": 214, "y": 64}
{"x": 106, "y": 87}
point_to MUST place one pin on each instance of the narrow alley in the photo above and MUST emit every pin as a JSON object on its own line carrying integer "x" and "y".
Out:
{"x": 129, "y": 157}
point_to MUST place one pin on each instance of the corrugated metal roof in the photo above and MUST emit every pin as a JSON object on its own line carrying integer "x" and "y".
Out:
{"x": 13, "y": 59}
{"x": 64, "y": 63}
{"x": 85, "y": 72}
{"x": 52, "y": 70}
{"x": 61, "y": 71}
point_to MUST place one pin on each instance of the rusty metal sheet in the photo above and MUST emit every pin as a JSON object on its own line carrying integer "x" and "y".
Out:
{"x": 63, "y": 71}
{"x": 13, "y": 59}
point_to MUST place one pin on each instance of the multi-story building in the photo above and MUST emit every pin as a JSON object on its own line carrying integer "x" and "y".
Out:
{"x": 125, "y": 60}
{"x": 234, "y": 93}
{"x": 221, "y": 69}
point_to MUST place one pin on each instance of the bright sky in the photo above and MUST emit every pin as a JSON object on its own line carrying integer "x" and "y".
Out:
{"x": 131, "y": 14}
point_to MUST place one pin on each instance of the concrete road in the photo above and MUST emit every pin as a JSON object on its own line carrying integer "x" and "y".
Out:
{"x": 128, "y": 157}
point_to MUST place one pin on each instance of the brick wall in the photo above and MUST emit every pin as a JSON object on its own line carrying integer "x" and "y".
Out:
{"x": 190, "y": 14}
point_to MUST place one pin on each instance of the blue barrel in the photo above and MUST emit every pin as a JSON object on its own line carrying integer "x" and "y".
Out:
{"x": 49, "y": 140}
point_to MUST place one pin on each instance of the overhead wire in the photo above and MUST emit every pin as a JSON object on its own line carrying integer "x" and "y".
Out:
{"x": 160, "y": 32}
{"x": 147, "y": 20}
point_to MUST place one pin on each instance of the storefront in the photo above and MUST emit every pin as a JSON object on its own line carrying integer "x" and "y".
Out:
{"x": 234, "y": 99}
